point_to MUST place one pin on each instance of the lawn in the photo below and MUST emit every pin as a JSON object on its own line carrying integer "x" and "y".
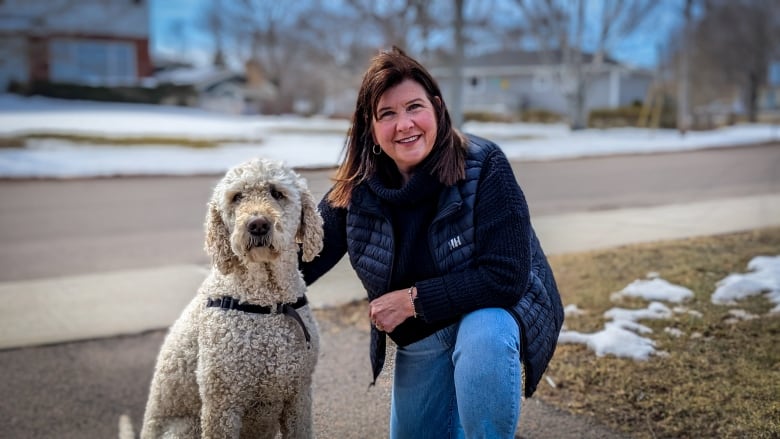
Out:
{"x": 719, "y": 379}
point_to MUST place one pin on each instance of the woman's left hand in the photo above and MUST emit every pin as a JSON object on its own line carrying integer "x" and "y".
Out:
{"x": 390, "y": 310}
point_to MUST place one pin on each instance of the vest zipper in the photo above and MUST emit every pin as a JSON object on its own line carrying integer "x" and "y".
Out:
{"x": 447, "y": 211}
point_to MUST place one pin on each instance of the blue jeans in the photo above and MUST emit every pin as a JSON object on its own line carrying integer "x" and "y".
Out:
{"x": 463, "y": 381}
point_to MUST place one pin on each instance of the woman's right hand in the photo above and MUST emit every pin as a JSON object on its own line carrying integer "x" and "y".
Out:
{"x": 390, "y": 310}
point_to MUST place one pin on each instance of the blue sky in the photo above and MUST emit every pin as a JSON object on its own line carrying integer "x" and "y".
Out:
{"x": 640, "y": 49}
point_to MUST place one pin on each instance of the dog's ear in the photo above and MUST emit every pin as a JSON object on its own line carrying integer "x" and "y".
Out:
{"x": 310, "y": 230}
{"x": 218, "y": 241}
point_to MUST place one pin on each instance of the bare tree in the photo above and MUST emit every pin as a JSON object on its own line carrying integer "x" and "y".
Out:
{"x": 403, "y": 23}
{"x": 737, "y": 40}
{"x": 213, "y": 21}
{"x": 564, "y": 30}
{"x": 314, "y": 41}
{"x": 263, "y": 34}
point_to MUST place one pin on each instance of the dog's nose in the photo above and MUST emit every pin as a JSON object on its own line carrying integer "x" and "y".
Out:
{"x": 259, "y": 226}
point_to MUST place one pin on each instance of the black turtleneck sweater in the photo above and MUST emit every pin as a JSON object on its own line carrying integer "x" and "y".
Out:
{"x": 411, "y": 209}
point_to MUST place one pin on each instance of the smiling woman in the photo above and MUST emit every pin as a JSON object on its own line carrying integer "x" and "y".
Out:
{"x": 438, "y": 231}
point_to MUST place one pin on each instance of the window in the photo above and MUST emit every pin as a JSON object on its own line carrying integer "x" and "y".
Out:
{"x": 774, "y": 73}
{"x": 93, "y": 62}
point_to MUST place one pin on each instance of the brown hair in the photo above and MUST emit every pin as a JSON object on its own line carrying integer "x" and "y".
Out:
{"x": 388, "y": 69}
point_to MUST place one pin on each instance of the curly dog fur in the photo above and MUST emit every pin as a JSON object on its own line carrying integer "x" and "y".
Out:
{"x": 224, "y": 373}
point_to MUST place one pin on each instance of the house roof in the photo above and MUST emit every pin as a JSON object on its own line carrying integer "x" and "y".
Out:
{"x": 115, "y": 18}
{"x": 200, "y": 77}
{"x": 512, "y": 62}
{"x": 515, "y": 58}
{"x": 209, "y": 78}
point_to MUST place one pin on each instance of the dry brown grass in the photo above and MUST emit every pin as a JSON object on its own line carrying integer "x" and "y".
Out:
{"x": 724, "y": 381}
{"x": 22, "y": 140}
{"x": 723, "y": 384}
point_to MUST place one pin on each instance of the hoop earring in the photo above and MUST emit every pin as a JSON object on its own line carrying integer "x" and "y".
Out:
{"x": 376, "y": 149}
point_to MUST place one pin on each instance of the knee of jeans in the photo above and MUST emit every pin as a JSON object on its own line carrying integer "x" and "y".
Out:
{"x": 488, "y": 332}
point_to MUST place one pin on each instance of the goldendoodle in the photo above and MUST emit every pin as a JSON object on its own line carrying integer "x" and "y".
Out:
{"x": 239, "y": 360}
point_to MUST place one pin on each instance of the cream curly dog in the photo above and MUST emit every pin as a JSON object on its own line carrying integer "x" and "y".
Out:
{"x": 239, "y": 360}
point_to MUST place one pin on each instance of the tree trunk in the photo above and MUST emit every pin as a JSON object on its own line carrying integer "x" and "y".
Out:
{"x": 456, "y": 104}
{"x": 682, "y": 81}
{"x": 752, "y": 97}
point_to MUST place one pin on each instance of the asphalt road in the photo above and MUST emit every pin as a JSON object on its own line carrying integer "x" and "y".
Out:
{"x": 54, "y": 228}
{"x": 79, "y": 390}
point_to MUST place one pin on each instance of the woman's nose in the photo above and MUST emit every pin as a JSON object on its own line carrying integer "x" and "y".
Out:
{"x": 405, "y": 122}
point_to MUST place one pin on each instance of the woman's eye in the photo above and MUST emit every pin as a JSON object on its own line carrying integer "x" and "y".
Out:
{"x": 414, "y": 107}
{"x": 276, "y": 194}
{"x": 237, "y": 197}
{"x": 385, "y": 115}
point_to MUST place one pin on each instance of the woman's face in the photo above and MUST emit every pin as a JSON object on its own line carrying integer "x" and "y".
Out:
{"x": 405, "y": 125}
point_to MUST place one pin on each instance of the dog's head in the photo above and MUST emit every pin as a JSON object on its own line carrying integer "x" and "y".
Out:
{"x": 259, "y": 210}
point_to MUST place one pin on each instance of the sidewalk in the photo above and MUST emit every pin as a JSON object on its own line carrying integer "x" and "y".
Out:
{"x": 133, "y": 301}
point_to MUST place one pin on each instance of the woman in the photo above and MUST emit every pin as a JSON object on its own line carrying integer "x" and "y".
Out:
{"x": 438, "y": 231}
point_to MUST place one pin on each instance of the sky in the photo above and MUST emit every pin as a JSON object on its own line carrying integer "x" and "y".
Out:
{"x": 318, "y": 142}
{"x": 172, "y": 18}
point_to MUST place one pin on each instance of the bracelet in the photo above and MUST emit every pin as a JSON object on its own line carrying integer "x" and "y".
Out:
{"x": 411, "y": 299}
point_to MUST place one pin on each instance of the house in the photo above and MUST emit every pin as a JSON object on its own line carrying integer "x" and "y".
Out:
{"x": 219, "y": 88}
{"x": 769, "y": 96}
{"x": 89, "y": 42}
{"x": 509, "y": 82}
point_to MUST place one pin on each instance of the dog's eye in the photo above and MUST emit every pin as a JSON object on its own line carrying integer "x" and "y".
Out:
{"x": 237, "y": 197}
{"x": 276, "y": 194}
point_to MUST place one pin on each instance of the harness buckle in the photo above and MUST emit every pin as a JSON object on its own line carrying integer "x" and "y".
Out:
{"x": 227, "y": 303}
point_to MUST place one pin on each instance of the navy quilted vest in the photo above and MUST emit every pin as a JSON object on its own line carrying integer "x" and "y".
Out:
{"x": 539, "y": 312}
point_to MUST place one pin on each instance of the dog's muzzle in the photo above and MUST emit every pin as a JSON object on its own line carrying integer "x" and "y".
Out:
{"x": 259, "y": 229}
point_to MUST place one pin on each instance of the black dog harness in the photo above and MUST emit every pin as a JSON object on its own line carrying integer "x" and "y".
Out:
{"x": 288, "y": 309}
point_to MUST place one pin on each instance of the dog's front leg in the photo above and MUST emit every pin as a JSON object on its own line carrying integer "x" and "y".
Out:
{"x": 296, "y": 419}
{"x": 218, "y": 423}
{"x": 221, "y": 409}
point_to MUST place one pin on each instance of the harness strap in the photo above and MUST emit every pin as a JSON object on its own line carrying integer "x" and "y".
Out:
{"x": 288, "y": 309}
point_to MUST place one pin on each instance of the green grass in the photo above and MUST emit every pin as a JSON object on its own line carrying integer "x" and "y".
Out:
{"x": 21, "y": 141}
{"x": 719, "y": 379}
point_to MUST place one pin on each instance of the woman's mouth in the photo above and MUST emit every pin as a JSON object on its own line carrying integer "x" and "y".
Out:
{"x": 411, "y": 139}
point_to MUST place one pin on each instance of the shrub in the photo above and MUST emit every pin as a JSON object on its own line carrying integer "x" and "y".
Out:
{"x": 486, "y": 116}
{"x": 540, "y": 116}
{"x": 629, "y": 116}
{"x": 162, "y": 93}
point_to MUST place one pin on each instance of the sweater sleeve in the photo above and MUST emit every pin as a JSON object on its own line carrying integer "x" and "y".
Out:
{"x": 334, "y": 242}
{"x": 502, "y": 259}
